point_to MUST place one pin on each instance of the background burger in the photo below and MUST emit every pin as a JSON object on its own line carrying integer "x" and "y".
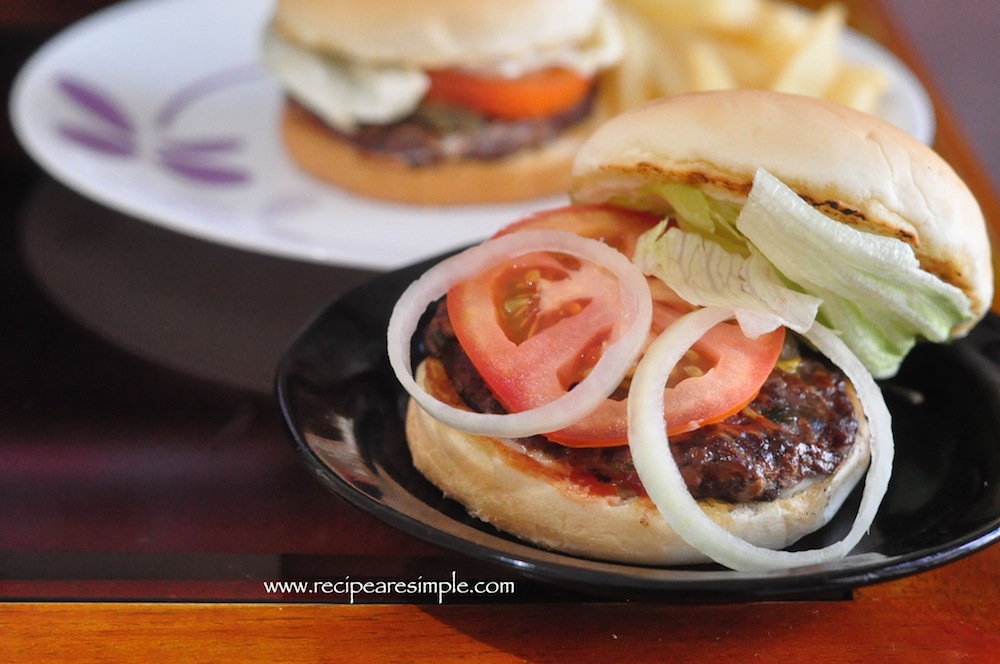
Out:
{"x": 835, "y": 241}
{"x": 441, "y": 101}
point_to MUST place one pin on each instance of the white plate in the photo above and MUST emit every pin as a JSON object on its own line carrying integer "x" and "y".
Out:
{"x": 161, "y": 109}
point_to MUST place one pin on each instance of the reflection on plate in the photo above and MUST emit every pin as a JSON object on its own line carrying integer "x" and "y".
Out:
{"x": 344, "y": 409}
{"x": 207, "y": 311}
{"x": 174, "y": 121}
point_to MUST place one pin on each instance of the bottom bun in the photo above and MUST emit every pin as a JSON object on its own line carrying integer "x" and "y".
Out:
{"x": 541, "y": 504}
{"x": 530, "y": 173}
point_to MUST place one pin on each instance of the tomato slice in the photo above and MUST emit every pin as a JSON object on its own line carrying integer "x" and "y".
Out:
{"x": 536, "y": 94}
{"x": 720, "y": 375}
{"x": 535, "y": 326}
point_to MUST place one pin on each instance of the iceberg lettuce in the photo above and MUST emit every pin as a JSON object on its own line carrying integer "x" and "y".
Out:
{"x": 779, "y": 261}
{"x": 704, "y": 273}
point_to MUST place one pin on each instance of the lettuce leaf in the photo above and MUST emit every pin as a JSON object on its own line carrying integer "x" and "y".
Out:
{"x": 873, "y": 289}
{"x": 704, "y": 273}
{"x": 697, "y": 213}
{"x": 779, "y": 261}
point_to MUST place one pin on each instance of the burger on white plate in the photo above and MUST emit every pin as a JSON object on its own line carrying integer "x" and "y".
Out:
{"x": 441, "y": 101}
{"x": 680, "y": 366}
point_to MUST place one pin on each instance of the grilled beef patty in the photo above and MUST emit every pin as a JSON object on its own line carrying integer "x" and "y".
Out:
{"x": 799, "y": 427}
{"x": 434, "y": 133}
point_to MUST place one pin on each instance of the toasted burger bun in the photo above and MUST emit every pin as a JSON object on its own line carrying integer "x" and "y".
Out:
{"x": 526, "y": 174}
{"x": 518, "y": 495}
{"x": 862, "y": 171}
{"x": 435, "y": 33}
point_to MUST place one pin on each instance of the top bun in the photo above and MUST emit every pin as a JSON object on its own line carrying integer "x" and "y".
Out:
{"x": 435, "y": 33}
{"x": 856, "y": 168}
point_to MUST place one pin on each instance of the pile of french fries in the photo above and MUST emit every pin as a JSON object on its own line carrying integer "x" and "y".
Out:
{"x": 676, "y": 46}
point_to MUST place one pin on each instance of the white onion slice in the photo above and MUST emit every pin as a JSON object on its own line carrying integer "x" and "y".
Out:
{"x": 571, "y": 407}
{"x": 662, "y": 478}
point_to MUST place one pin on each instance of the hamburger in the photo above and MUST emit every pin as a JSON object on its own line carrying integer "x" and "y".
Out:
{"x": 696, "y": 381}
{"x": 441, "y": 101}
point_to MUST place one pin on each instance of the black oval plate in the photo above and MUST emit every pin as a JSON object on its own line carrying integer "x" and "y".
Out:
{"x": 344, "y": 409}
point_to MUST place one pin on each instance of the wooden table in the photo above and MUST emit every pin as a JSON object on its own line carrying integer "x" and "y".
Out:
{"x": 147, "y": 487}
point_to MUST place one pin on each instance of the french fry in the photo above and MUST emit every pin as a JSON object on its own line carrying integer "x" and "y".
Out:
{"x": 748, "y": 65}
{"x": 707, "y": 68}
{"x": 670, "y": 71}
{"x": 780, "y": 26}
{"x": 702, "y": 14}
{"x": 859, "y": 87}
{"x": 632, "y": 80}
{"x": 812, "y": 68}
{"x": 677, "y": 46}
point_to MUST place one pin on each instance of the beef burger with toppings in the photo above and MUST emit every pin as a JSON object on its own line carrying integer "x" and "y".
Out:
{"x": 441, "y": 101}
{"x": 680, "y": 366}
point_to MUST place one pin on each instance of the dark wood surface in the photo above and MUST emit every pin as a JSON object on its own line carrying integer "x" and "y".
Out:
{"x": 148, "y": 488}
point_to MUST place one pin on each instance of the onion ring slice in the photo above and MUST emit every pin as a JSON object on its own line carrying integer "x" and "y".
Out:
{"x": 662, "y": 478}
{"x": 606, "y": 375}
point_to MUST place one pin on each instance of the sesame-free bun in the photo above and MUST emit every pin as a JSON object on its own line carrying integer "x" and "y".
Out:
{"x": 435, "y": 33}
{"x": 526, "y": 174}
{"x": 855, "y": 167}
{"x": 517, "y": 495}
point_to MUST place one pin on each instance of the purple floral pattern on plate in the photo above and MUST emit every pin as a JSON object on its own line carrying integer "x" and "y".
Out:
{"x": 105, "y": 127}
